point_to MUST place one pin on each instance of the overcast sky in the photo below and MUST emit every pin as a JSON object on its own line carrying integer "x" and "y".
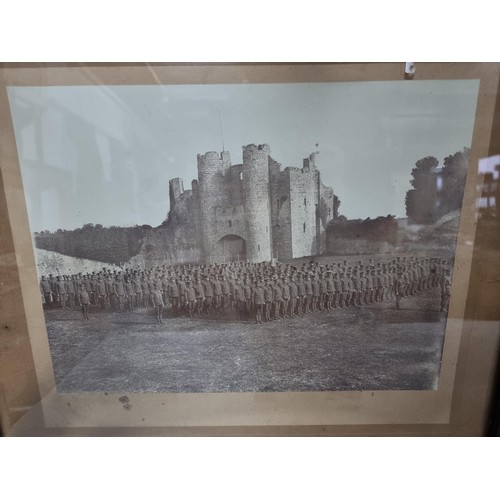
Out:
{"x": 105, "y": 154}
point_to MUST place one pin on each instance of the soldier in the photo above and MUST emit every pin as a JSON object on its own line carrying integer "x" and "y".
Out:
{"x": 129, "y": 293}
{"x": 190, "y": 297}
{"x": 362, "y": 289}
{"x": 84, "y": 299}
{"x": 208, "y": 293}
{"x": 238, "y": 297}
{"x": 46, "y": 290}
{"x": 322, "y": 292}
{"x": 61, "y": 292}
{"x": 200, "y": 296}
{"x": 345, "y": 291}
{"x": 88, "y": 286}
{"x": 277, "y": 298}
{"x": 301, "y": 294}
{"x": 294, "y": 293}
{"x": 93, "y": 288}
{"x": 226, "y": 293}
{"x": 268, "y": 299}
{"x": 400, "y": 289}
{"x": 247, "y": 293}
{"x": 110, "y": 289}
{"x": 173, "y": 295}
{"x": 53, "y": 288}
{"x": 120, "y": 293}
{"x": 136, "y": 283}
{"x": 356, "y": 289}
{"x": 217, "y": 288}
{"x": 148, "y": 298}
{"x": 70, "y": 291}
{"x": 101, "y": 292}
{"x": 330, "y": 289}
{"x": 258, "y": 300}
{"x": 164, "y": 288}
{"x": 309, "y": 294}
{"x": 285, "y": 293}
{"x": 158, "y": 303}
{"x": 445, "y": 291}
{"x": 370, "y": 284}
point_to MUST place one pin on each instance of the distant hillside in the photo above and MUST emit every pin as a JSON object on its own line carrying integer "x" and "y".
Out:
{"x": 48, "y": 262}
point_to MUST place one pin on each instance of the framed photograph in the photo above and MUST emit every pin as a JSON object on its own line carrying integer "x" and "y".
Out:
{"x": 283, "y": 249}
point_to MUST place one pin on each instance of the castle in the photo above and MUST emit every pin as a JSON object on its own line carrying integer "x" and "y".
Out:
{"x": 254, "y": 210}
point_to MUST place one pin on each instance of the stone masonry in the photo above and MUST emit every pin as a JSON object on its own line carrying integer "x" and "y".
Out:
{"x": 254, "y": 210}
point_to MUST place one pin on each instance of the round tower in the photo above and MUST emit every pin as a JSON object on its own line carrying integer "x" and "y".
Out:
{"x": 211, "y": 169}
{"x": 256, "y": 195}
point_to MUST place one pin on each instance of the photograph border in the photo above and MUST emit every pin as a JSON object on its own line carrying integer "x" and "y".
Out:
{"x": 337, "y": 412}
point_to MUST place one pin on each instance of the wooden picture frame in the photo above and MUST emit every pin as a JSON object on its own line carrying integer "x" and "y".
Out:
{"x": 460, "y": 405}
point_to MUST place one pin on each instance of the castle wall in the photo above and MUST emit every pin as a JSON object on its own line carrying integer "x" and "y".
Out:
{"x": 256, "y": 202}
{"x": 303, "y": 196}
{"x": 280, "y": 213}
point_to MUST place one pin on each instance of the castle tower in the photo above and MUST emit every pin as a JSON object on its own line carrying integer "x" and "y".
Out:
{"x": 256, "y": 195}
{"x": 211, "y": 169}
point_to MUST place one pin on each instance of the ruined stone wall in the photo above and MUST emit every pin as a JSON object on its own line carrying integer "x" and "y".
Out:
{"x": 176, "y": 188}
{"x": 326, "y": 214}
{"x": 257, "y": 204}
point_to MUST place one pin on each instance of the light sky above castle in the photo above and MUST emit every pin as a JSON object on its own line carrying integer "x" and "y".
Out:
{"x": 105, "y": 154}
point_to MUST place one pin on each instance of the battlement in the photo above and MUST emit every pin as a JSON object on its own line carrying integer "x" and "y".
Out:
{"x": 214, "y": 162}
{"x": 310, "y": 162}
{"x": 252, "y": 148}
{"x": 209, "y": 156}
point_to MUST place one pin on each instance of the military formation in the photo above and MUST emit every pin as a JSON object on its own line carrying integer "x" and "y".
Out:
{"x": 260, "y": 292}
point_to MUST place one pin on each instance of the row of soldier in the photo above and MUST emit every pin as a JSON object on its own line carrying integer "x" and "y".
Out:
{"x": 262, "y": 291}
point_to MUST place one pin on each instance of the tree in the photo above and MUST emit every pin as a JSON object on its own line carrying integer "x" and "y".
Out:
{"x": 453, "y": 176}
{"x": 421, "y": 201}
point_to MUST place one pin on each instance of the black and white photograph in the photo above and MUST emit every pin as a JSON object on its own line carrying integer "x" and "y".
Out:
{"x": 237, "y": 238}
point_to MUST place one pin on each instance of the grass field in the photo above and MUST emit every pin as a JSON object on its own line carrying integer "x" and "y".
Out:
{"x": 374, "y": 347}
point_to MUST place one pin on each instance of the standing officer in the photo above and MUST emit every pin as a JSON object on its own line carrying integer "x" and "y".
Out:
{"x": 84, "y": 299}
{"x": 157, "y": 299}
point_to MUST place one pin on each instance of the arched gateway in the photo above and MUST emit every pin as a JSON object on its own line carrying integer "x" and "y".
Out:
{"x": 231, "y": 248}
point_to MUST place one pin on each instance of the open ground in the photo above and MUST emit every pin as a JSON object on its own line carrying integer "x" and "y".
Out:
{"x": 373, "y": 347}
